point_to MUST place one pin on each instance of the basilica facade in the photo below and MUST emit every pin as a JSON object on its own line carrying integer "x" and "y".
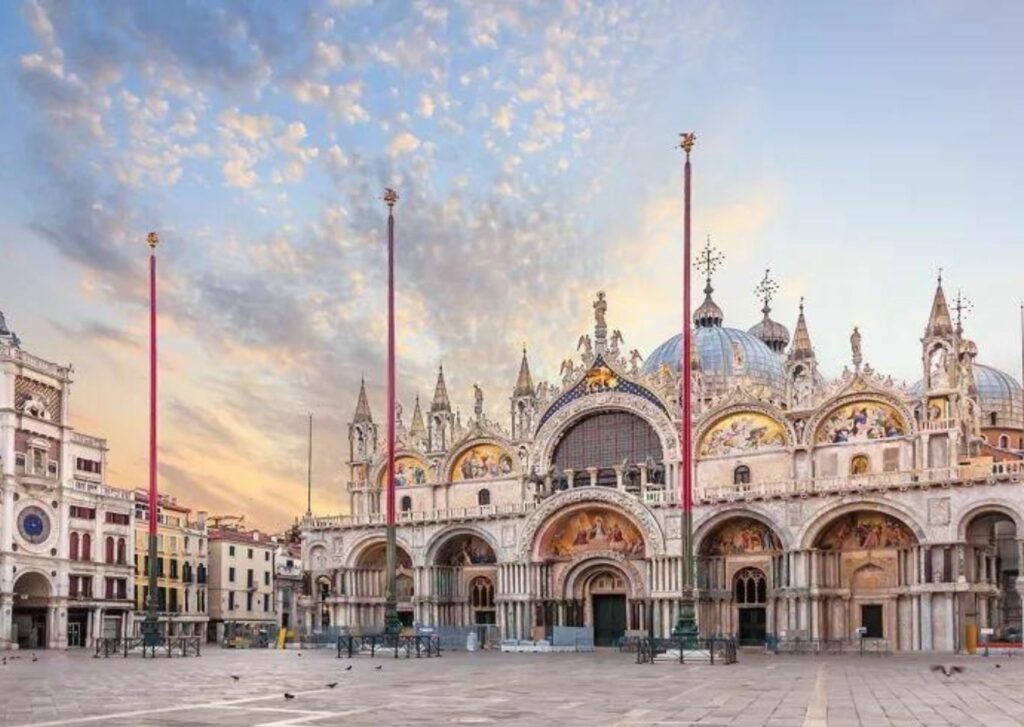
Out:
{"x": 822, "y": 505}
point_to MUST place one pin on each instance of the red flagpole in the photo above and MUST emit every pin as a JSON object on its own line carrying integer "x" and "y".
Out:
{"x": 150, "y": 625}
{"x": 153, "y": 241}
{"x": 391, "y": 621}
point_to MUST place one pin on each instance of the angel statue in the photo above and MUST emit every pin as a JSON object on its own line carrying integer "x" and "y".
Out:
{"x": 635, "y": 359}
{"x": 616, "y": 340}
{"x": 568, "y": 370}
{"x": 586, "y": 344}
{"x": 478, "y": 400}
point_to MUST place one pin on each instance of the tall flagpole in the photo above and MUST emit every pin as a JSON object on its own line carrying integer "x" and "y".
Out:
{"x": 309, "y": 469}
{"x": 392, "y": 625}
{"x": 150, "y": 625}
{"x": 686, "y": 626}
{"x": 1021, "y": 441}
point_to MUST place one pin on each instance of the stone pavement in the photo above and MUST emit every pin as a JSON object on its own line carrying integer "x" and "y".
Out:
{"x": 606, "y": 688}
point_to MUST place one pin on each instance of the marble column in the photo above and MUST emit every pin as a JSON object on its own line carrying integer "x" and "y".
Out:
{"x": 592, "y": 472}
{"x": 926, "y": 622}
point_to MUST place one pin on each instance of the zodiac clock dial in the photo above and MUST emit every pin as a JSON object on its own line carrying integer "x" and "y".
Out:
{"x": 34, "y": 525}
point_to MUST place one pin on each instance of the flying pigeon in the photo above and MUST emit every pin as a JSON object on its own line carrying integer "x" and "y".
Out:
{"x": 289, "y": 696}
{"x": 347, "y": 668}
{"x": 332, "y": 685}
{"x": 948, "y": 670}
{"x": 235, "y": 677}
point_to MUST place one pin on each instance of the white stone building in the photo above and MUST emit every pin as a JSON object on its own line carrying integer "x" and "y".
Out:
{"x": 822, "y": 505}
{"x": 66, "y": 539}
{"x": 241, "y": 582}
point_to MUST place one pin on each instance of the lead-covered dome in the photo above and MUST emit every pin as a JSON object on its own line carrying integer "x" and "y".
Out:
{"x": 727, "y": 356}
{"x": 999, "y": 394}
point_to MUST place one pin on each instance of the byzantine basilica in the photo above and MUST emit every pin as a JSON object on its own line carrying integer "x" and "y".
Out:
{"x": 821, "y": 505}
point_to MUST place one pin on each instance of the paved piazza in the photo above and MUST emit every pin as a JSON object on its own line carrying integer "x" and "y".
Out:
{"x": 606, "y": 688}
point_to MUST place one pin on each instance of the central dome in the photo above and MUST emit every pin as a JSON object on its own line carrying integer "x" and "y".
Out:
{"x": 726, "y": 354}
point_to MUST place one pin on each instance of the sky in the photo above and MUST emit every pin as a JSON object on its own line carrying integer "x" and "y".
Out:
{"x": 852, "y": 148}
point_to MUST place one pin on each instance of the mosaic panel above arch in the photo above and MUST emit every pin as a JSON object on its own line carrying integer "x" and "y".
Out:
{"x": 594, "y": 529}
{"x": 466, "y": 549}
{"x": 866, "y": 530}
{"x": 481, "y": 462}
{"x": 741, "y": 535}
{"x": 861, "y": 421}
{"x": 375, "y": 556}
{"x": 745, "y": 431}
{"x": 409, "y": 470}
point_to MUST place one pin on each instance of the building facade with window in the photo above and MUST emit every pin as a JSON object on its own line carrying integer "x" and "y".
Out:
{"x": 242, "y": 597}
{"x": 822, "y": 505}
{"x": 288, "y": 581}
{"x": 65, "y": 535}
{"x": 182, "y": 566}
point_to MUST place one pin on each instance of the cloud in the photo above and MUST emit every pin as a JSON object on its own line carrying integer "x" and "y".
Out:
{"x": 403, "y": 143}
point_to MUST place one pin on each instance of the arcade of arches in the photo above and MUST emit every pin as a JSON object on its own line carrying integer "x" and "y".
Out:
{"x": 865, "y": 569}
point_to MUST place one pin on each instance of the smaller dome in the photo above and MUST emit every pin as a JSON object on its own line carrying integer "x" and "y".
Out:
{"x": 708, "y": 314}
{"x": 774, "y": 334}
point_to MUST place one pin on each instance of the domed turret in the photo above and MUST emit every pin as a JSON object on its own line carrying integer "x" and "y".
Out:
{"x": 774, "y": 335}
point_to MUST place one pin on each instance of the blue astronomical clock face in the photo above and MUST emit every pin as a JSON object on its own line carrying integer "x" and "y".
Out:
{"x": 34, "y": 525}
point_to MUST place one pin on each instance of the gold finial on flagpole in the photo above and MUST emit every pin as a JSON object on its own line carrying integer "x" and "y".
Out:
{"x": 152, "y": 239}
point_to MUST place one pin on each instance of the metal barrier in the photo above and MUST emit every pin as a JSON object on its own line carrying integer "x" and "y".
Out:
{"x": 170, "y": 645}
{"x": 829, "y": 647}
{"x": 413, "y": 645}
{"x": 713, "y": 650}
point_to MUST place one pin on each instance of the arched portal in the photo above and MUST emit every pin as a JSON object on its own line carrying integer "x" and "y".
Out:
{"x": 30, "y": 615}
{"x": 864, "y": 559}
{"x": 369, "y": 583}
{"x": 605, "y": 440}
{"x": 992, "y": 566}
{"x": 739, "y": 568}
{"x": 463, "y": 574}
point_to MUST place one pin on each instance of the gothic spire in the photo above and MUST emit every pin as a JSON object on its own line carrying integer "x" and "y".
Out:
{"x": 440, "y": 402}
{"x": 362, "y": 405}
{"x": 524, "y": 384}
{"x": 940, "y": 323}
{"x": 801, "y": 349}
{"x": 417, "y": 430}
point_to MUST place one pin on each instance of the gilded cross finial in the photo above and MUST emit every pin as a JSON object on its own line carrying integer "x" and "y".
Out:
{"x": 152, "y": 239}
{"x": 766, "y": 290}
{"x": 390, "y": 197}
{"x": 686, "y": 141}
{"x": 962, "y": 306}
{"x": 940, "y": 277}
{"x": 801, "y": 304}
{"x": 708, "y": 260}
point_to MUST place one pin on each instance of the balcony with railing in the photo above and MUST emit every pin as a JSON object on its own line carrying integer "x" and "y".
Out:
{"x": 650, "y": 496}
{"x": 997, "y": 472}
{"x": 95, "y": 488}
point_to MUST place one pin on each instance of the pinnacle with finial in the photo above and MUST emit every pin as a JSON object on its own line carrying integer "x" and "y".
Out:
{"x": 766, "y": 290}
{"x": 152, "y": 239}
{"x": 390, "y": 197}
{"x": 708, "y": 261}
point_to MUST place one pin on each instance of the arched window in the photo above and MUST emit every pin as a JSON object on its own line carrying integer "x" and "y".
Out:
{"x": 483, "y": 497}
{"x": 73, "y": 546}
{"x": 122, "y": 556}
{"x": 605, "y": 440}
{"x": 741, "y": 475}
{"x": 86, "y": 547}
{"x": 751, "y": 587}
{"x": 108, "y": 550}
{"x": 406, "y": 504}
{"x": 860, "y": 465}
{"x": 1004, "y": 441}
{"x": 481, "y": 592}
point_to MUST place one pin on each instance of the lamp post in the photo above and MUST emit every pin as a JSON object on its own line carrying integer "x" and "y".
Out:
{"x": 686, "y": 626}
{"x": 392, "y": 624}
{"x": 151, "y": 623}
